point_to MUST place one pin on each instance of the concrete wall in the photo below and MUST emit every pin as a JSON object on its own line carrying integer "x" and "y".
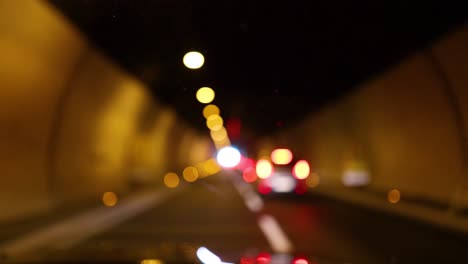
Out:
{"x": 403, "y": 125}
{"x": 73, "y": 124}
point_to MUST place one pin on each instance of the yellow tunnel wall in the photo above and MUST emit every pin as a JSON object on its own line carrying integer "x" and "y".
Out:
{"x": 401, "y": 124}
{"x": 73, "y": 123}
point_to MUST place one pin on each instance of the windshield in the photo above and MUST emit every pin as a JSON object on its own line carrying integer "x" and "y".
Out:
{"x": 298, "y": 132}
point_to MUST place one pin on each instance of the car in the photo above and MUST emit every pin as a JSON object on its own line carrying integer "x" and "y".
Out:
{"x": 282, "y": 173}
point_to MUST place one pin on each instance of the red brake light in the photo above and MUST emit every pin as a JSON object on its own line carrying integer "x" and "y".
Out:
{"x": 264, "y": 169}
{"x": 301, "y": 170}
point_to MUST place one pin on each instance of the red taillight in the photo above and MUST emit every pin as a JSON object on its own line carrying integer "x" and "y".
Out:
{"x": 264, "y": 188}
{"x": 300, "y": 260}
{"x": 263, "y": 258}
{"x": 301, "y": 170}
{"x": 264, "y": 169}
{"x": 249, "y": 175}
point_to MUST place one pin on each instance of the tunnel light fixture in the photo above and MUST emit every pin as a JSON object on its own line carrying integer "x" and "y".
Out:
{"x": 228, "y": 157}
{"x": 193, "y": 60}
{"x": 205, "y": 95}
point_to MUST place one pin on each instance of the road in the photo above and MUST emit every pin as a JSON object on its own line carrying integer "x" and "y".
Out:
{"x": 213, "y": 213}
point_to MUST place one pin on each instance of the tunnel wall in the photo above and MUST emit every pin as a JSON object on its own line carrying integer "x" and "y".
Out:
{"x": 406, "y": 127}
{"x": 73, "y": 123}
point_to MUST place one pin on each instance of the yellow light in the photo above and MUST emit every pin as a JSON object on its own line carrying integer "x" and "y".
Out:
{"x": 210, "y": 109}
{"x": 219, "y": 135}
{"x": 109, "y": 199}
{"x": 171, "y": 180}
{"x": 205, "y": 95}
{"x": 190, "y": 174}
{"x": 301, "y": 170}
{"x": 214, "y": 122}
{"x": 393, "y": 196}
{"x": 264, "y": 169}
{"x": 193, "y": 60}
{"x": 151, "y": 261}
{"x": 313, "y": 181}
{"x": 281, "y": 156}
{"x": 223, "y": 143}
{"x": 211, "y": 166}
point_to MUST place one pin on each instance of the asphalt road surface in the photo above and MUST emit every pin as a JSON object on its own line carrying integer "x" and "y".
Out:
{"x": 214, "y": 213}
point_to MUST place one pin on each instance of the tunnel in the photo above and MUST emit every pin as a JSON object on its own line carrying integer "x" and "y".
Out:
{"x": 76, "y": 124}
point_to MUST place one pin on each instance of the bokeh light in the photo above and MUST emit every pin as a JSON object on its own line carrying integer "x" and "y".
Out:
{"x": 313, "y": 180}
{"x": 214, "y": 122}
{"x": 219, "y": 135}
{"x": 264, "y": 169}
{"x": 281, "y": 156}
{"x": 151, "y": 261}
{"x": 249, "y": 175}
{"x": 393, "y": 196}
{"x": 301, "y": 170}
{"x": 210, "y": 109}
{"x": 205, "y": 95}
{"x": 228, "y": 157}
{"x": 171, "y": 180}
{"x": 193, "y": 60}
{"x": 109, "y": 199}
{"x": 190, "y": 174}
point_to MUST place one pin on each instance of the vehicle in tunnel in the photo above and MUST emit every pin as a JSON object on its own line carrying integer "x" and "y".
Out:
{"x": 282, "y": 173}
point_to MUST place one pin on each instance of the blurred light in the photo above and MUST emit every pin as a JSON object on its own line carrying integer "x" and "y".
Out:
{"x": 246, "y": 163}
{"x": 300, "y": 260}
{"x": 249, "y": 175}
{"x": 263, "y": 258}
{"x": 301, "y": 188}
{"x": 264, "y": 169}
{"x": 193, "y": 60}
{"x": 264, "y": 188}
{"x": 282, "y": 184}
{"x": 171, "y": 180}
{"x": 190, "y": 174}
{"x": 205, "y": 95}
{"x": 234, "y": 127}
{"x": 219, "y": 135}
{"x": 355, "y": 177}
{"x": 210, "y": 109}
{"x": 281, "y": 156}
{"x": 109, "y": 199}
{"x": 214, "y": 122}
{"x": 301, "y": 170}
{"x": 151, "y": 261}
{"x": 393, "y": 196}
{"x": 313, "y": 181}
{"x": 228, "y": 157}
{"x": 207, "y": 257}
{"x": 222, "y": 144}
{"x": 248, "y": 260}
{"x": 211, "y": 166}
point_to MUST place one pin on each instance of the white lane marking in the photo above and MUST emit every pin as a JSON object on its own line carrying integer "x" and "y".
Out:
{"x": 71, "y": 231}
{"x": 251, "y": 199}
{"x": 278, "y": 240}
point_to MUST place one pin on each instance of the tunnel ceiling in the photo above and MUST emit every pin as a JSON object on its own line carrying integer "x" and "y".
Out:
{"x": 270, "y": 62}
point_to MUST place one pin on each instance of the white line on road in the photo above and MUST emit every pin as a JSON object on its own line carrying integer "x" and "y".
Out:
{"x": 276, "y": 237}
{"x": 71, "y": 231}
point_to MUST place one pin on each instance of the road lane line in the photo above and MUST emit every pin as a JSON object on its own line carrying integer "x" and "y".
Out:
{"x": 251, "y": 199}
{"x": 278, "y": 240}
{"x": 70, "y": 232}
{"x": 275, "y": 236}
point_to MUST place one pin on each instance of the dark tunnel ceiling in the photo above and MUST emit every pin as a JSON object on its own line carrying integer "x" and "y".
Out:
{"x": 269, "y": 62}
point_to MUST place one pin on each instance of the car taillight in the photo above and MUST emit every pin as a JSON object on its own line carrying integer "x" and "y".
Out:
{"x": 300, "y": 260}
{"x": 301, "y": 170}
{"x": 264, "y": 169}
